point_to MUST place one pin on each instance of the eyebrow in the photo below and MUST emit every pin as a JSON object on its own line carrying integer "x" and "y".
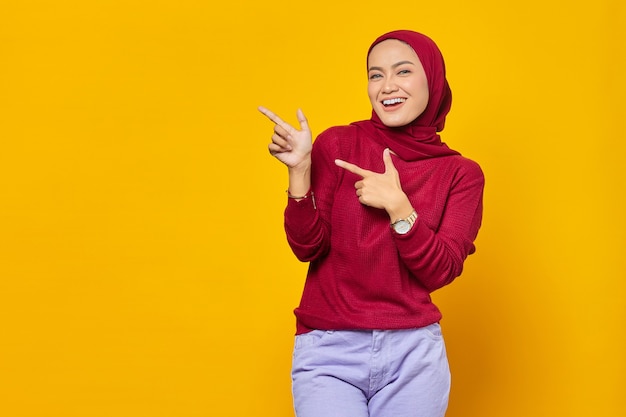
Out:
{"x": 397, "y": 64}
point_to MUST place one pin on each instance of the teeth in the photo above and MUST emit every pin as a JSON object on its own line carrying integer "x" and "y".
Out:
{"x": 391, "y": 101}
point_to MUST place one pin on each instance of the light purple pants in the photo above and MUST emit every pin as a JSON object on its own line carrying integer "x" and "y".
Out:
{"x": 373, "y": 373}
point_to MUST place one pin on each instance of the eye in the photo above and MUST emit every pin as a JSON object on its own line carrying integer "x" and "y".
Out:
{"x": 375, "y": 76}
{"x": 404, "y": 72}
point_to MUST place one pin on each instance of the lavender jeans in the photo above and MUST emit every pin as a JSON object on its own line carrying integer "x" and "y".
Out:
{"x": 372, "y": 373}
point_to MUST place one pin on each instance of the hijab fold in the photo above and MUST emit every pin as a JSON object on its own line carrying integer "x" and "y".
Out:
{"x": 419, "y": 139}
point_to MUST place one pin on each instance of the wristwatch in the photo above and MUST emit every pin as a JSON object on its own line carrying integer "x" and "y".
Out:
{"x": 402, "y": 226}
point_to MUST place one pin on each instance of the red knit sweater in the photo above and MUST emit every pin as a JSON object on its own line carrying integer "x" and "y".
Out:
{"x": 362, "y": 275}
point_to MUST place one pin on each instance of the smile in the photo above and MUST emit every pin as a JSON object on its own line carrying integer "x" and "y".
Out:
{"x": 392, "y": 101}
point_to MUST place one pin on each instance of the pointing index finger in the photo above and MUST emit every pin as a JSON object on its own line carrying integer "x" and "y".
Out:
{"x": 351, "y": 167}
{"x": 274, "y": 118}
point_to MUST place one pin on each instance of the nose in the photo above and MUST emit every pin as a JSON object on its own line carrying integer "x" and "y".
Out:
{"x": 389, "y": 86}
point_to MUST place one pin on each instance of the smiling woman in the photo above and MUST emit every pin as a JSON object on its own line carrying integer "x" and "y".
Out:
{"x": 385, "y": 213}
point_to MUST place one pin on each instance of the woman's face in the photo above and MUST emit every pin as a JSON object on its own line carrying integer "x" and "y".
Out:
{"x": 397, "y": 86}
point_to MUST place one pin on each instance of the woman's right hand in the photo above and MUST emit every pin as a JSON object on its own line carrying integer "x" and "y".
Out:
{"x": 289, "y": 145}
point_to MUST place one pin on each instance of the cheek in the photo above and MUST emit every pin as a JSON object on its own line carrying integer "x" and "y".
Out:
{"x": 420, "y": 93}
{"x": 425, "y": 91}
{"x": 371, "y": 93}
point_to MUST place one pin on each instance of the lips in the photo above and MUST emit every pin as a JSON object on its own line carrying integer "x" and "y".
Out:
{"x": 391, "y": 104}
{"x": 393, "y": 101}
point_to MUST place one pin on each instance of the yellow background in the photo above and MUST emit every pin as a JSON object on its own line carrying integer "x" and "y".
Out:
{"x": 143, "y": 266}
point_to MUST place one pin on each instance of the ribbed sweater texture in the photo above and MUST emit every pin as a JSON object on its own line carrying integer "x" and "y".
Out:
{"x": 362, "y": 275}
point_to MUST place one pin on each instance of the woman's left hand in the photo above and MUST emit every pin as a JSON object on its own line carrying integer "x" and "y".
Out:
{"x": 382, "y": 191}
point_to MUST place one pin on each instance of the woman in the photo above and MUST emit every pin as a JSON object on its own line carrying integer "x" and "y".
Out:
{"x": 386, "y": 214}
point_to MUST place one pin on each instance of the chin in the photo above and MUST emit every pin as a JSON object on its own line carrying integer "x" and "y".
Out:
{"x": 395, "y": 124}
{"x": 392, "y": 121}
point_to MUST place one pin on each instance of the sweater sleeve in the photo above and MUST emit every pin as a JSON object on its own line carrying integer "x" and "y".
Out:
{"x": 307, "y": 221}
{"x": 436, "y": 257}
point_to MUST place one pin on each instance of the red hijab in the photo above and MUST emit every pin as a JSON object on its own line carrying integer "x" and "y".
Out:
{"x": 419, "y": 139}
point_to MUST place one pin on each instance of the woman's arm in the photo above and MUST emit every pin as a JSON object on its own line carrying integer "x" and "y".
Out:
{"x": 436, "y": 257}
{"x": 307, "y": 231}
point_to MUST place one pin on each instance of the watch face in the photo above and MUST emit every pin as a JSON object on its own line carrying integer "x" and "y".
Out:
{"x": 401, "y": 227}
